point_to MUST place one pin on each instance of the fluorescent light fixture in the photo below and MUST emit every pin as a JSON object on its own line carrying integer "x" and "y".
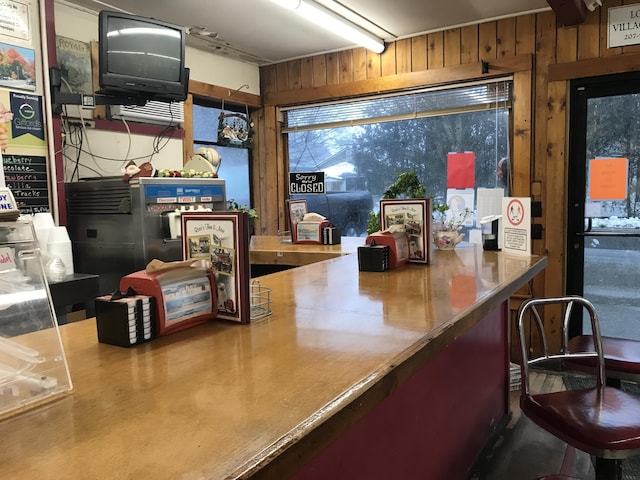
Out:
{"x": 333, "y": 22}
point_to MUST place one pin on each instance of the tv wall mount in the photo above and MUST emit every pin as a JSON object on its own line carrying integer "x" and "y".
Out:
{"x": 59, "y": 98}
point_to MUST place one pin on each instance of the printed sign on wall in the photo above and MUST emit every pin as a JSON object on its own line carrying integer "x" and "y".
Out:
{"x": 15, "y": 19}
{"x": 624, "y": 26}
{"x": 516, "y": 224}
{"x": 608, "y": 179}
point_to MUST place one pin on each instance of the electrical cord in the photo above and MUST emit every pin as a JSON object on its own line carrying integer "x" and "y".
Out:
{"x": 76, "y": 136}
{"x": 84, "y": 137}
{"x": 126, "y": 157}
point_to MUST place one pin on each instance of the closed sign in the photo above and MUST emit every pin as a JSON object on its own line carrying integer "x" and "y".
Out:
{"x": 306, "y": 182}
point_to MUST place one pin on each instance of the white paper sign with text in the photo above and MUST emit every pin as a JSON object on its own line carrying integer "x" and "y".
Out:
{"x": 624, "y": 26}
{"x": 516, "y": 225}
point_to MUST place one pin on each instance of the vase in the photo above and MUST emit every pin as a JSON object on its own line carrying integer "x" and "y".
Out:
{"x": 447, "y": 240}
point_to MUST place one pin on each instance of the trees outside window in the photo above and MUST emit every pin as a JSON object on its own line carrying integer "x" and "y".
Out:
{"x": 362, "y": 145}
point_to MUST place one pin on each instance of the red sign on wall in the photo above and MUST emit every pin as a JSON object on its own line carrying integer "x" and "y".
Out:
{"x": 461, "y": 170}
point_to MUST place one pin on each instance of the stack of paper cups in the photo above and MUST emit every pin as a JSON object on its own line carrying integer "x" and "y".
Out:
{"x": 42, "y": 224}
{"x": 59, "y": 245}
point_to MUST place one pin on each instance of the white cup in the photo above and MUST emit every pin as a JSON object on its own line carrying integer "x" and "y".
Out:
{"x": 59, "y": 245}
{"x": 42, "y": 224}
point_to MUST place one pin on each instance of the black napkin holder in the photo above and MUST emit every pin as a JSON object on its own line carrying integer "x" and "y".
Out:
{"x": 330, "y": 235}
{"x": 373, "y": 258}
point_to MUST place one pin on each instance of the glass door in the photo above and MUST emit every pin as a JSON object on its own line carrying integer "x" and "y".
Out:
{"x": 603, "y": 254}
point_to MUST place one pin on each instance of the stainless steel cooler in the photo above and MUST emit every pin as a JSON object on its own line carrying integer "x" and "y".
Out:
{"x": 117, "y": 228}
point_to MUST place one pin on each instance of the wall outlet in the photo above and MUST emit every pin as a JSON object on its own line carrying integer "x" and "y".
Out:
{"x": 536, "y": 231}
{"x": 536, "y": 209}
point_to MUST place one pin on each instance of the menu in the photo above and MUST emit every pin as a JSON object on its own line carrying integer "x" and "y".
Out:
{"x": 27, "y": 177}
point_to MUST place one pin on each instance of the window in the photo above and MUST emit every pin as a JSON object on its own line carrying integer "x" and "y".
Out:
{"x": 235, "y": 166}
{"x": 362, "y": 144}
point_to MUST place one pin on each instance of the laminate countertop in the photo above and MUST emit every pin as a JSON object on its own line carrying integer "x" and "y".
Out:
{"x": 267, "y": 250}
{"x": 224, "y": 400}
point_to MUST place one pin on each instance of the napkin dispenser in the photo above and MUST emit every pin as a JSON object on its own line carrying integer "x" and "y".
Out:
{"x": 398, "y": 244}
{"x": 184, "y": 297}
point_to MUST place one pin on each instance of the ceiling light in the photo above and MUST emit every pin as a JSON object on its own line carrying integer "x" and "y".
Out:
{"x": 333, "y": 22}
{"x": 593, "y": 4}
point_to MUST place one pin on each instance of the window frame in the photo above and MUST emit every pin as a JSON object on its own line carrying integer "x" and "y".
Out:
{"x": 498, "y": 96}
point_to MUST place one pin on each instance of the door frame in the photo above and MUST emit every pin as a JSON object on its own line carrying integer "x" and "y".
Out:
{"x": 580, "y": 91}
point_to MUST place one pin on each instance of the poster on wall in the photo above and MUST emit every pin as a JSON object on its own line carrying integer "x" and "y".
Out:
{"x": 460, "y": 200}
{"x": 516, "y": 235}
{"x": 74, "y": 61}
{"x": 24, "y": 149}
{"x": 22, "y": 128}
{"x": 17, "y": 67}
{"x": 6, "y": 118}
{"x": 27, "y": 125}
{"x": 15, "y": 19}
{"x": 623, "y": 26}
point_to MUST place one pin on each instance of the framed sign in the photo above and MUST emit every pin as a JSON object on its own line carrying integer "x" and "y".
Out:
{"x": 222, "y": 237}
{"x": 306, "y": 182}
{"x": 623, "y": 27}
{"x": 296, "y": 210}
{"x": 414, "y": 215}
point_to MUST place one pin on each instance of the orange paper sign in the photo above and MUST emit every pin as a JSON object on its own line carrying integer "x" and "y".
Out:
{"x": 608, "y": 179}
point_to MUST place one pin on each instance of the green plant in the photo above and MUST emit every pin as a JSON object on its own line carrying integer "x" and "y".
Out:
{"x": 253, "y": 214}
{"x": 373, "y": 222}
{"x": 406, "y": 185}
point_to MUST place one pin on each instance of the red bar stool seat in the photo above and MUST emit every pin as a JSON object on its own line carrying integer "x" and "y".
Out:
{"x": 601, "y": 420}
{"x": 621, "y": 355}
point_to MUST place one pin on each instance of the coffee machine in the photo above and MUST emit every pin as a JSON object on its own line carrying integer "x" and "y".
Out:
{"x": 117, "y": 228}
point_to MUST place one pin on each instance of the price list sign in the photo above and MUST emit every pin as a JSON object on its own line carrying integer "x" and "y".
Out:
{"x": 27, "y": 177}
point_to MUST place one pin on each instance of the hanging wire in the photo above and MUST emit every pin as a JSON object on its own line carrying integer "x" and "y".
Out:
{"x": 233, "y": 134}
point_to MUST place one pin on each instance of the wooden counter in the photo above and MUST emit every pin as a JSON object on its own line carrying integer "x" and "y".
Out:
{"x": 352, "y": 371}
{"x": 266, "y": 250}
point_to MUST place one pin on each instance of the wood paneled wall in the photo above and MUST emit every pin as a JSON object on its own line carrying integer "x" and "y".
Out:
{"x": 541, "y": 55}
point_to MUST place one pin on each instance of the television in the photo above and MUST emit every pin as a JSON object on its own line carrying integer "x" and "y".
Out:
{"x": 141, "y": 57}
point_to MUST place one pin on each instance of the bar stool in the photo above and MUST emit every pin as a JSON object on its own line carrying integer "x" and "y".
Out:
{"x": 602, "y": 421}
{"x": 621, "y": 356}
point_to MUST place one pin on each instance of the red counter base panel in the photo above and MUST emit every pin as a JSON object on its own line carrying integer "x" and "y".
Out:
{"x": 434, "y": 425}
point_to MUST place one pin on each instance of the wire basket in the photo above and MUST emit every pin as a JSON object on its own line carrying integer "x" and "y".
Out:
{"x": 260, "y": 300}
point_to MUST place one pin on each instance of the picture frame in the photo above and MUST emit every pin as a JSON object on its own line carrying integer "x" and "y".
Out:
{"x": 20, "y": 74}
{"x": 296, "y": 210}
{"x": 309, "y": 232}
{"x": 414, "y": 214}
{"x": 74, "y": 60}
{"x": 186, "y": 300}
{"x": 223, "y": 238}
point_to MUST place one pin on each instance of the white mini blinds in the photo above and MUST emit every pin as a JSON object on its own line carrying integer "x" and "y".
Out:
{"x": 405, "y": 105}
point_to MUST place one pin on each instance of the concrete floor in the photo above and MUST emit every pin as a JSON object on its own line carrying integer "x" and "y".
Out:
{"x": 526, "y": 452}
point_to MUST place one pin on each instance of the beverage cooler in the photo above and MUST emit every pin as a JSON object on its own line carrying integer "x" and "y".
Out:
{"x": 117, "y": 228}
